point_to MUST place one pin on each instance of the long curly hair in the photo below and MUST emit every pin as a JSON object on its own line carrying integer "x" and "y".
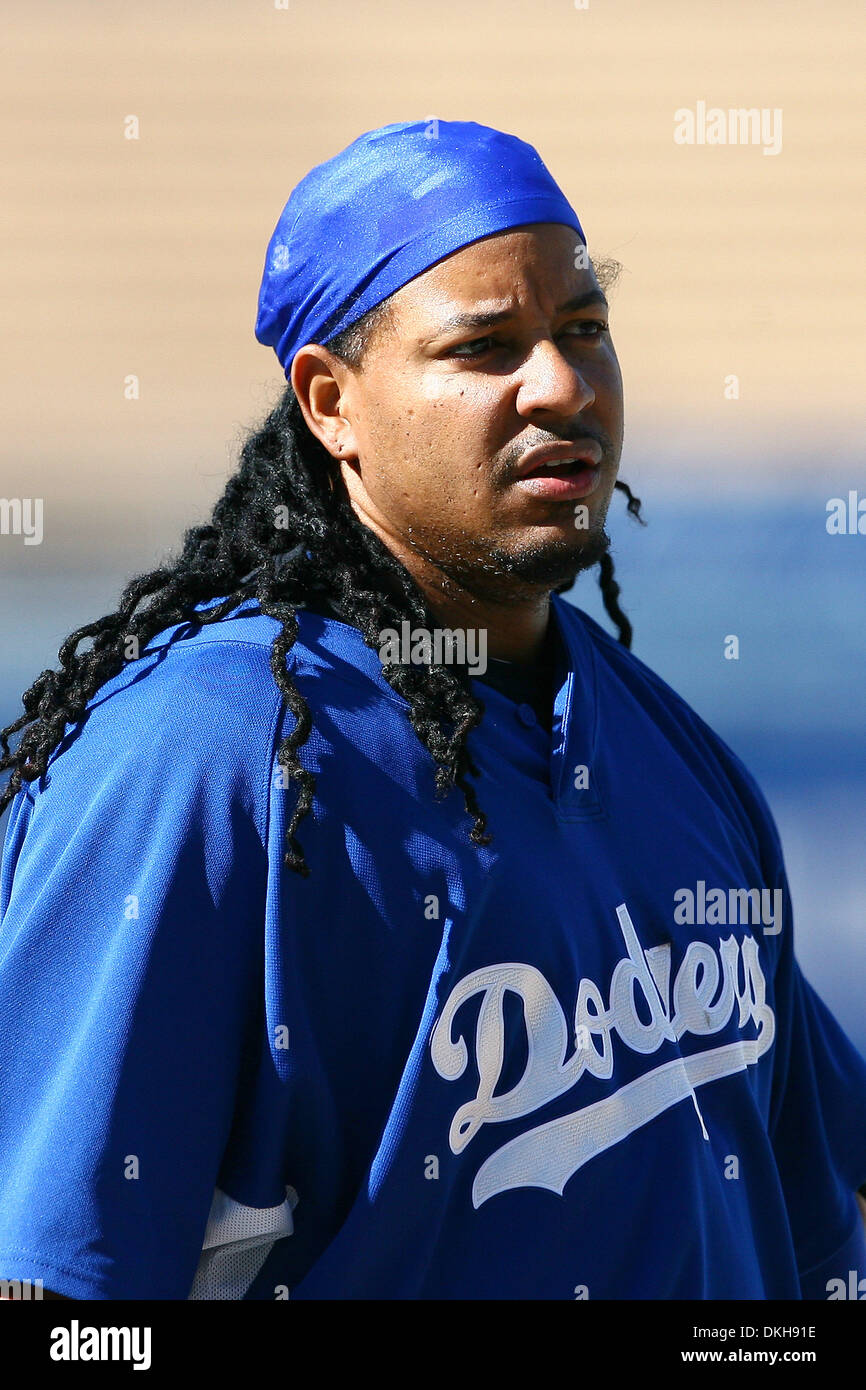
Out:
{"x": 242, "y": 552}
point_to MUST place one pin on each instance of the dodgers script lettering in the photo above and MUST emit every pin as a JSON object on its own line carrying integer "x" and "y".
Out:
{"x": 705, "y": 992}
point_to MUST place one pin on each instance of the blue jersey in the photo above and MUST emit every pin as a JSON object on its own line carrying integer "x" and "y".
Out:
{"x": 580, "y": 1062}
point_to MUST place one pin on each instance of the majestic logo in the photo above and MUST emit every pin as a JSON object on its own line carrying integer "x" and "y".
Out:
{"x": 705, "y": 992}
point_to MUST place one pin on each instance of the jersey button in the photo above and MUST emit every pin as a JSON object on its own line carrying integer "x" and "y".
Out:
{"x": 526, "y": 714}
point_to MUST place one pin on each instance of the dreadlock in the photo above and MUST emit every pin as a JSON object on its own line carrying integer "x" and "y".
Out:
{"x": 242, "y": 553}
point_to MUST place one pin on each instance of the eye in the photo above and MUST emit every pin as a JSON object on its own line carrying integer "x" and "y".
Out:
{"x": 594, "y": 328}
{"x": 465, "y": 349}
{"x": 581, "y": 328}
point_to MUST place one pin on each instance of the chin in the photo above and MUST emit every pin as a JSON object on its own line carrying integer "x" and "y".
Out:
{"x": 558, "y": 562}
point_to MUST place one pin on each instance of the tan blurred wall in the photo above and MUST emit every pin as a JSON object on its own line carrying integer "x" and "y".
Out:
{"x": 144, "y": 256}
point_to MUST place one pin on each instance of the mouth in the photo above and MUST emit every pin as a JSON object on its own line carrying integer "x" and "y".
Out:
{"x": 559, "y": 484}
{"x": 561, "y": 479}
{"x": 561, "y": 472}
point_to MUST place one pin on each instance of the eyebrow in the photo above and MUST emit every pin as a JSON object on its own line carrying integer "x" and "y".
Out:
{"x": 490, "y": 320}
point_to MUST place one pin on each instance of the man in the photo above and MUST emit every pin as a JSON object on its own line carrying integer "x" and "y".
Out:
{"x": 330, "y": 969}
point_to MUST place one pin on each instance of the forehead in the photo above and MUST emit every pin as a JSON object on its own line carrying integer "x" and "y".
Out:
{"x": 541, "y": 264}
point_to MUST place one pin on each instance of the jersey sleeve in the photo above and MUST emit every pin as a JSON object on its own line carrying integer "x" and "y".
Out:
{"x": 817, "y": 1121}
{"x": 818, "y": 1131}
{"x": 133, "y": 884}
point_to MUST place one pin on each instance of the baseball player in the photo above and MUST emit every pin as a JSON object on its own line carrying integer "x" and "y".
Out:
{"x": 373, "y": 924}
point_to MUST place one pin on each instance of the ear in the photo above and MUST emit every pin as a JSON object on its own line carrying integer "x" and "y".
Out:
{"x": 321, "y": 381}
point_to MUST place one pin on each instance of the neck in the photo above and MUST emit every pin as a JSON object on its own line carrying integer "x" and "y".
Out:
{"x": 514, "y": 613}
{"x": 515, "y": 623}
{"x": 514, "y": 633}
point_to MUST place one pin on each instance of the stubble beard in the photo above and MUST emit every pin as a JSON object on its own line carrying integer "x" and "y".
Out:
{"x": 494, "y": 574}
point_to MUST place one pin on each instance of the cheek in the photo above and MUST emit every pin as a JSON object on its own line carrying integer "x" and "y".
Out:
{"x": 448, "y": 432}
{"x": 463, "y": 416}
{"x": 428, "y": 447}
{"x": 611, "y": 384}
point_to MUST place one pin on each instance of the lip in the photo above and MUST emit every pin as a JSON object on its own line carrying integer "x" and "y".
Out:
{"x": 567, "y": 485}
{"x": 586, "y": 451}
{"x": 570, "y": 486}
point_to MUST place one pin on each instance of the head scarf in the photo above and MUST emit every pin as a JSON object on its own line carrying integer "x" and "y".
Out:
{"x": 386, "y": 208}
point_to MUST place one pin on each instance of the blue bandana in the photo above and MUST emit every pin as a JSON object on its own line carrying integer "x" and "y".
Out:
{"x": 363, "y": 224}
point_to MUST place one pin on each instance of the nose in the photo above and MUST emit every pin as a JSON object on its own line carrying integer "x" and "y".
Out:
{"x": 549, "y": 382}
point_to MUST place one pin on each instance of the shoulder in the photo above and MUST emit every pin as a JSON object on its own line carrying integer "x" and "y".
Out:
{"x": 321, "y": 650}
{"x": 173, "y": 751}
{"x": 200, "y": 677}
{"x": 203, "y": 696}
{"x": 185, "y": 727}
{"x": 194, "y": 686}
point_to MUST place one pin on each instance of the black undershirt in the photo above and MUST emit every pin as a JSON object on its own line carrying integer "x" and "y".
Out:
{"x": 523, "y": 682}
{"x": 528, "y": 683}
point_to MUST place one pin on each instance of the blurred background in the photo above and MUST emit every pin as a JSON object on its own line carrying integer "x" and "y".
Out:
{"x": 738, "y": 321}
